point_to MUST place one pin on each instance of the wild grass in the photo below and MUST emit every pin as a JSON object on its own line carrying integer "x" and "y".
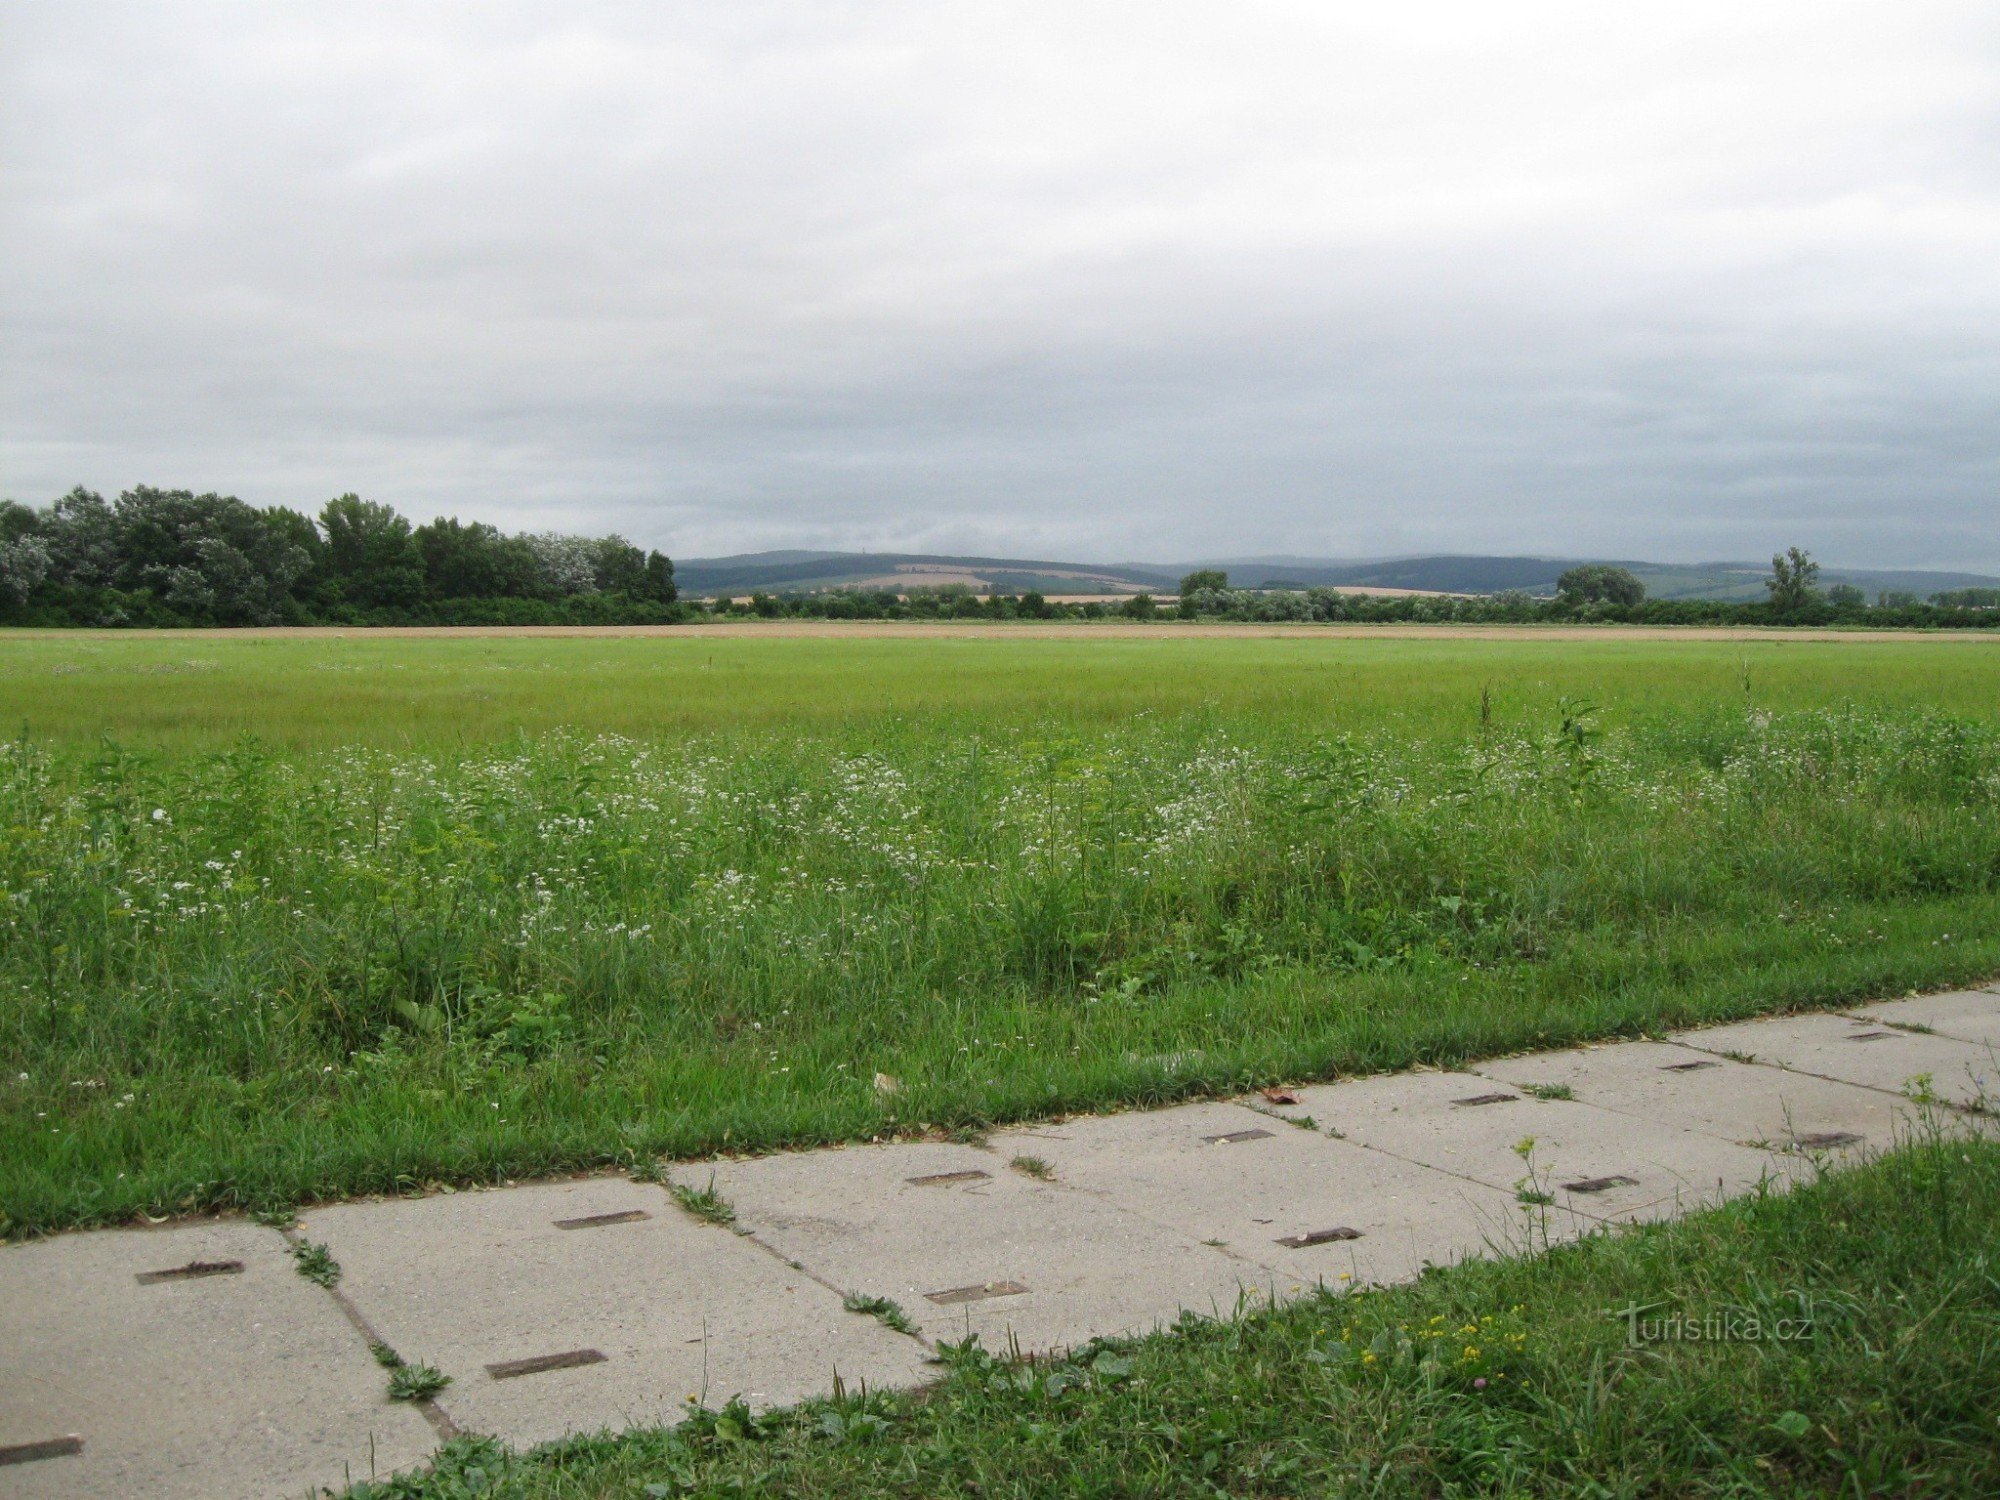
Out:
{"x": 384, "y": 944}
{"x": 1843, "y": 1339}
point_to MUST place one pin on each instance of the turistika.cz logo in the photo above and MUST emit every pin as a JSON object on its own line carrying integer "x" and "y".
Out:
{"x": 1660, "y": 1323}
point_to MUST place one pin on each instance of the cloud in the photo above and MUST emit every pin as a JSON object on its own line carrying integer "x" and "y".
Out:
{"x": 1114, "y": 280}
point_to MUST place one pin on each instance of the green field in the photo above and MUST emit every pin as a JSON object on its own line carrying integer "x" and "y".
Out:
{"x": 202, "y": 690}
{"x": 293, "y": 916}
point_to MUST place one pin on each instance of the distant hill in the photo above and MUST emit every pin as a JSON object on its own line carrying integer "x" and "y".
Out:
{"x": 804, "y": 572}
{"x": 1438, "y": 575}
{"x": 782, "y": 573}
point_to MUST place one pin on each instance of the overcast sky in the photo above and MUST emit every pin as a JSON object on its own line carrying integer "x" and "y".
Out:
{"x": 1107, "y": 281}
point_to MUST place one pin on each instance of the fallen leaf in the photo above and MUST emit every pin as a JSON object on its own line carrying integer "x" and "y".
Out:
{"x": 1280, "y": 1096}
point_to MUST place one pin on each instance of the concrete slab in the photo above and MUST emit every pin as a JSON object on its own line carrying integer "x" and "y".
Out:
{"x": 1308, "y": 1209}
{"x": 1966, "y": 1015}
{"x": 968, "y": 1246}
{"x": 571, "y": 1306}
{"x": 1755, "y": 1106}
{"x": 192, "y": 1361}
{"x": 1863, "y": 1052}
{"x": 1593, "y": 1162}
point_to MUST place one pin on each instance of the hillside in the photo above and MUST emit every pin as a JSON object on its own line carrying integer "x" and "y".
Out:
{"x": 796, "y": 573}
{"x": 805, "y": 572}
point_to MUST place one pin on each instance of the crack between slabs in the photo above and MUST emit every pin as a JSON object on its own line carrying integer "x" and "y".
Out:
{"x": 442, "y": 1422}
{"x": 1969, "y": 1110}
{"x": 789, "y": 1264}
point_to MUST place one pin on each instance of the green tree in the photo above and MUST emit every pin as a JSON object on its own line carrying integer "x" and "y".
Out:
{"x": 371, "y": 552}
{"x": 18, "y": 521}
{"x": 659, "y": 585}
{"x": 1600, "y": 583}
{"x": 209, "y": 558}
{"x": 84, "y": 540}
{"x": 475, "y": 561}
{"x": 1974, "y": 598}
{"x": 1792, "y": 580}
{"x": 621, "y": 567}
{"x": 1203, "y": 578}
{"x": 1846, "y": 596}
{"x": 1138, "y": 607}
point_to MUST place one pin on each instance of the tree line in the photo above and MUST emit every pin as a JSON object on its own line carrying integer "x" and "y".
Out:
{"x": 1588, "y": 593}
{"x": 157, "y": 557}
{"x": 172, "y": 557}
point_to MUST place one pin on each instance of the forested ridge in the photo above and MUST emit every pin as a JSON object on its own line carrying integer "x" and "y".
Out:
{"x": 173, "y": 557}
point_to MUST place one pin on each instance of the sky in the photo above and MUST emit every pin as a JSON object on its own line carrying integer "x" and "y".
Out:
{"x": 1050, "y": 278}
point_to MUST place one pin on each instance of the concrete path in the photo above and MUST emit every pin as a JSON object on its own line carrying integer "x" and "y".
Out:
{"x": 194, "y": 1359}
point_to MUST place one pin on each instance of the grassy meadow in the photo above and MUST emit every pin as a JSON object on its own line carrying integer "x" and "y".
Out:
{"x": 288, "y": 916}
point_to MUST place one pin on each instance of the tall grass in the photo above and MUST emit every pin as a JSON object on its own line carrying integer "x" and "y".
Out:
{"x": 252, "y": 974}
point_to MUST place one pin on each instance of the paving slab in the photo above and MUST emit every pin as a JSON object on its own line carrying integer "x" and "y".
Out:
{"x": 1742, "y": 1102}
{"x": 571, "y": 1306}
{"x": 1595, "y": 1163}
{"x": 1309, "y": 1209}
{"x": 1863, "y": 1052}
{"x": 1966, "y": 1015}
{"x": 192, "y": 1361}
{"x": 967, "y": 1245}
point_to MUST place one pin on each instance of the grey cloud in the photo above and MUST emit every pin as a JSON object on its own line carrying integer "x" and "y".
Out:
{"x": 1112, "y": 280}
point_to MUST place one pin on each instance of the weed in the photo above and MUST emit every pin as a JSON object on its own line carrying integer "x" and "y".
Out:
{"x": 1533, "y": 1194}
{"x": 408, "y": 1382}
{"x": 884, "y": 1310}
{"x": 315, "y": 1262}
{"x": 1550, "y": 1090}
{"x": 1298, "y": 1122}
{"x": 704, "y": 1203}
{"x": 1033, "y": 1166}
